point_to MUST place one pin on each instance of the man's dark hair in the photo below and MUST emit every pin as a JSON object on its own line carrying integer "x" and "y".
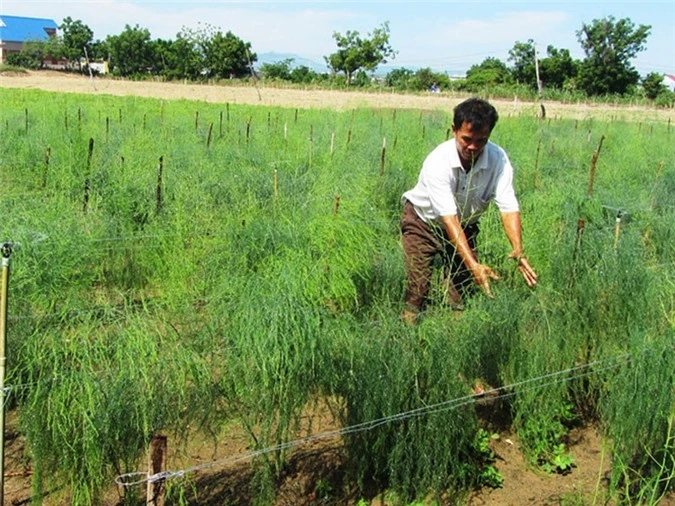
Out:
{"x": 477, "y": 112}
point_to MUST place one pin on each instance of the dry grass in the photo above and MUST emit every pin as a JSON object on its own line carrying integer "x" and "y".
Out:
{"x": 312, "y": 98}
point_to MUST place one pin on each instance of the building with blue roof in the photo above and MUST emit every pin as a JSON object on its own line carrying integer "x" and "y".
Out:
{"x": 16, "y": 30}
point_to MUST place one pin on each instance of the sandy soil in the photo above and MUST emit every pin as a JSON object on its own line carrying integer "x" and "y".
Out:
{"x": 311, "y": 98}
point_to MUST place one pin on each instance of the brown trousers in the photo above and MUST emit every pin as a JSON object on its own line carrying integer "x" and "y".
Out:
{"x": 422, "y": 242}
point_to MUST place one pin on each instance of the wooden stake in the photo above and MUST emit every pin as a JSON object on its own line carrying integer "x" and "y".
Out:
{"x": 48, "y": 153}
{"x": 536, "y": 163}
{"x": 276, "y": 184}
{"x": 156, "y": 462}
{"x": 311, "y": 144}
{"x": 332, "y": 143}
{"x": 617, "y": 229}
{"x": 383, "y": 155}
{"x": 158, "y": 192}
{"x": 580, "y": 222}
{"x": 594, "y": 161}
{"x": 87, "y": 179}
{"x": 208, "y": 139}
{"x": 659, "y": 170}
{"x": 336, "y": 205}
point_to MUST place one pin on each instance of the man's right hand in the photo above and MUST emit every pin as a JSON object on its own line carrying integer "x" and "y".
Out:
{"x": 482, "y": 274}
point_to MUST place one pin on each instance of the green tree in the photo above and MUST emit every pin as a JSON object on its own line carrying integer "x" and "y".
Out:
{"x": 609, "y": 46}
{"x": 31, "y": 56}
{"x": 99, "y": 50}
{"x": 277, "y": 70}
{"x": 226, "y": 55}
{"x": 130, "y": 51}
{"x": 555, "y": 68}
{"x": 77, "y": 38}
{"x": 653, "y": 86}
{"x": 399, "y": 78}
{"x": 303, "y": 74}
{"x": 210, "y": 53}
{"x": 355, "y": 53}
{"x": 187, "y": 59}
{"x": 490, "y": 72}
{"x": 521, "y": 56}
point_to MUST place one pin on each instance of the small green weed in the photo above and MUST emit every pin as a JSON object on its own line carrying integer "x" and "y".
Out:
{"x": 489, "y": 475}
{"x": 559, "y": 461}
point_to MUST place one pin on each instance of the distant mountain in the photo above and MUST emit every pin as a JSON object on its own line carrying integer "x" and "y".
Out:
{"x": 298, "y": 61}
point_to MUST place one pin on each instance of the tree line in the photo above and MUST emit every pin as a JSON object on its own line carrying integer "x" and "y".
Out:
{"x": 207, "y": 52}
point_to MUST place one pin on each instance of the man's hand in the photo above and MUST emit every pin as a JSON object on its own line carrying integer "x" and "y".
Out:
{"x": 525, "y": 268}
{"x": 482, "y": 274}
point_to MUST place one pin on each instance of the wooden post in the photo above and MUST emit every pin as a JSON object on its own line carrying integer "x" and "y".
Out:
{"x": 156, "y": 461}
{"x": 6, "y": 252}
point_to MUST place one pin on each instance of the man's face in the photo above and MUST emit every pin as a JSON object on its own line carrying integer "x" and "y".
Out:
{"x": 470, "y": 142}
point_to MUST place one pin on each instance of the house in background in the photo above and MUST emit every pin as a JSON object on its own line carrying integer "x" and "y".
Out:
{"x": 669, "y": 81}
{"x": 16, "y": 30}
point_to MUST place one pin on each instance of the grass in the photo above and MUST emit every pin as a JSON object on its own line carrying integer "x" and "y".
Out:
{"x": 271, "y": 274}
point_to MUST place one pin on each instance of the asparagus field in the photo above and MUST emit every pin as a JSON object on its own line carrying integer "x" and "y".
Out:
{"x": 190, "y": 269}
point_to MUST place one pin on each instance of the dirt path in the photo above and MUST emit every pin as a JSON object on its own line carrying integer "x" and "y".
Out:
{"x": 310, "y": 98}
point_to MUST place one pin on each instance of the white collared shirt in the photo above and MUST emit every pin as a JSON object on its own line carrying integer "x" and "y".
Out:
{"x": 444, "y": 188}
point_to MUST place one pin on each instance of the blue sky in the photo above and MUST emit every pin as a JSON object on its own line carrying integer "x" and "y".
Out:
{"x": 443, "y": 35}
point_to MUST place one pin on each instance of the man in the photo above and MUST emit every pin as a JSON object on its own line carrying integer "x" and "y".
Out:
{"x": 457, "y": 182}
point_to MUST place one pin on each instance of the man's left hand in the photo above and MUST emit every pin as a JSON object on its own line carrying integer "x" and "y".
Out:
{"x": 525, "y": 268}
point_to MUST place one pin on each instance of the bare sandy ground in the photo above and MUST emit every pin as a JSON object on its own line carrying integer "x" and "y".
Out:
{"x": 314, "y": 98}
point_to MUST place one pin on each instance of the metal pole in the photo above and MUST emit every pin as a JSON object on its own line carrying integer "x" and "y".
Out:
{"x": 6, "y": 252}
